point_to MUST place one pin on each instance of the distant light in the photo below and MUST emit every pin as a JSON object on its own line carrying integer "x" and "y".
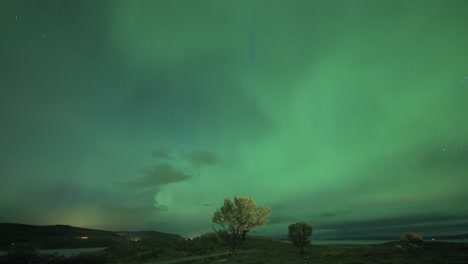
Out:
{"x": 14, "y": 243}
{"x": 84, "y": 237}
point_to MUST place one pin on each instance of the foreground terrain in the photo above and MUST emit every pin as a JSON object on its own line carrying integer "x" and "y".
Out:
{"x": 208, "y": 249}
{"x": 393, "y": 252}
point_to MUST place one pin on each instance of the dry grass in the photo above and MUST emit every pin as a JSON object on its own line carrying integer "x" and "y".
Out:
{"x": 278, "y": 252}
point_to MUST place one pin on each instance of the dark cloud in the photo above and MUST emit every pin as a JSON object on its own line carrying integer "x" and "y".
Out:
{"x": 285, "y": 218}
{"x": 161, "y": 154}
{"x": 199, "y": 158}
{"x": 132, "y": 204}
{"x": 335, "y": 213}
{"x": 154, "y": 178}
{"x": 160, "y": 175}
{"x": 196, "y": 158}
{"x": 282, "y": 218}
{"x": 428, "y": 223}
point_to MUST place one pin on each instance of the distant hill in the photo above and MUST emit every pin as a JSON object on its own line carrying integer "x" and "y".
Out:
{"x": 64, "y": 236}
{"x": 426, "y": 237}
{"x": 456, "y": 237}
{"x": 137, "y": 235}
{"x": 463, "y": 236}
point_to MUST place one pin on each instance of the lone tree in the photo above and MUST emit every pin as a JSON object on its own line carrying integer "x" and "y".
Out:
{"x": 235, "y": 219}
{"x": 299, "y": 234}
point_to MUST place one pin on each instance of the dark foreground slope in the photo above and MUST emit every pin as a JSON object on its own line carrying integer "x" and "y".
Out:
{"x": 63, "y": 236}
{"x": 392, "y": 252}
{"x": 257, "y": 251}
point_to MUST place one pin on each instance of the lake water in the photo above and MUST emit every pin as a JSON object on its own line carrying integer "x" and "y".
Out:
{"x": 65, "y": 252}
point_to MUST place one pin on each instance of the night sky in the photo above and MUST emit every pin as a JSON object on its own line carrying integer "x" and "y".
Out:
{"x": 145, "y": 115}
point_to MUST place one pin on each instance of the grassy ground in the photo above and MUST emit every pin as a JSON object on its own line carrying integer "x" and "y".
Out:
{"x": 254, "y": 251}
{"x": 394, "y": 252}
{"x": 269, "y": 251}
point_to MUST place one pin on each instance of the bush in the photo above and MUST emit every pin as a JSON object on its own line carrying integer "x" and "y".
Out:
{"x": 299, "y": 234}
{"x": 23, "y": 253}
{"x": 209, "y": 242}
{"x": 202, "y": 245}
{"x": 412, "y": 238}
{"x": 91, "y": 258}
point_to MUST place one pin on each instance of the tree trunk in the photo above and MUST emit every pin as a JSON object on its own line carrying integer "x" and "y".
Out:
{"x": 232, "y": 251}
{"x": 302, "y": 250}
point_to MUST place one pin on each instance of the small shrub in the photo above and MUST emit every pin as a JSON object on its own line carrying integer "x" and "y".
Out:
{"x": 299, "y": 234}
{"x": 204, "y": 244}
{"x": 91, "y": 258}
{"x": 411, "y": 241}
{"x": 23, "y": 253}
{"x": 412, "y": 238}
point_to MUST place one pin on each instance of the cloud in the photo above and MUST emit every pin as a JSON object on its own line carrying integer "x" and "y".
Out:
{"x": 137, "y": 200}
{"x": 196, "y": 158}
{"x": 288, "y": 218}
{"x": 161, "y": 154}
{"x": 335, "y": 213}
{"x": 159, "y": 175}
{"x": 427, "y": 223}
{"x": 155, "y": 178}
{"x": 199, "y": 158}
{"x": 281, "y": 219}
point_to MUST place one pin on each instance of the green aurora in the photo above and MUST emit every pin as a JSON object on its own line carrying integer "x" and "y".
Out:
{"x": 131, "y": 115}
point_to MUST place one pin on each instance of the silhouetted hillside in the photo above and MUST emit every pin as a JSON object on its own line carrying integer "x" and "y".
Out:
{"x": 138, "y": 235}
{"x": 64, "y": 236}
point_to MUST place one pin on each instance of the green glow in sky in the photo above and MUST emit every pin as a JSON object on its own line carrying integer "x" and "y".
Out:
{"x": 131, "y": 115}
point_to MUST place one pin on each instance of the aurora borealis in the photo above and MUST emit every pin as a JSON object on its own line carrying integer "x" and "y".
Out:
{"x": 145, "y": 115}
